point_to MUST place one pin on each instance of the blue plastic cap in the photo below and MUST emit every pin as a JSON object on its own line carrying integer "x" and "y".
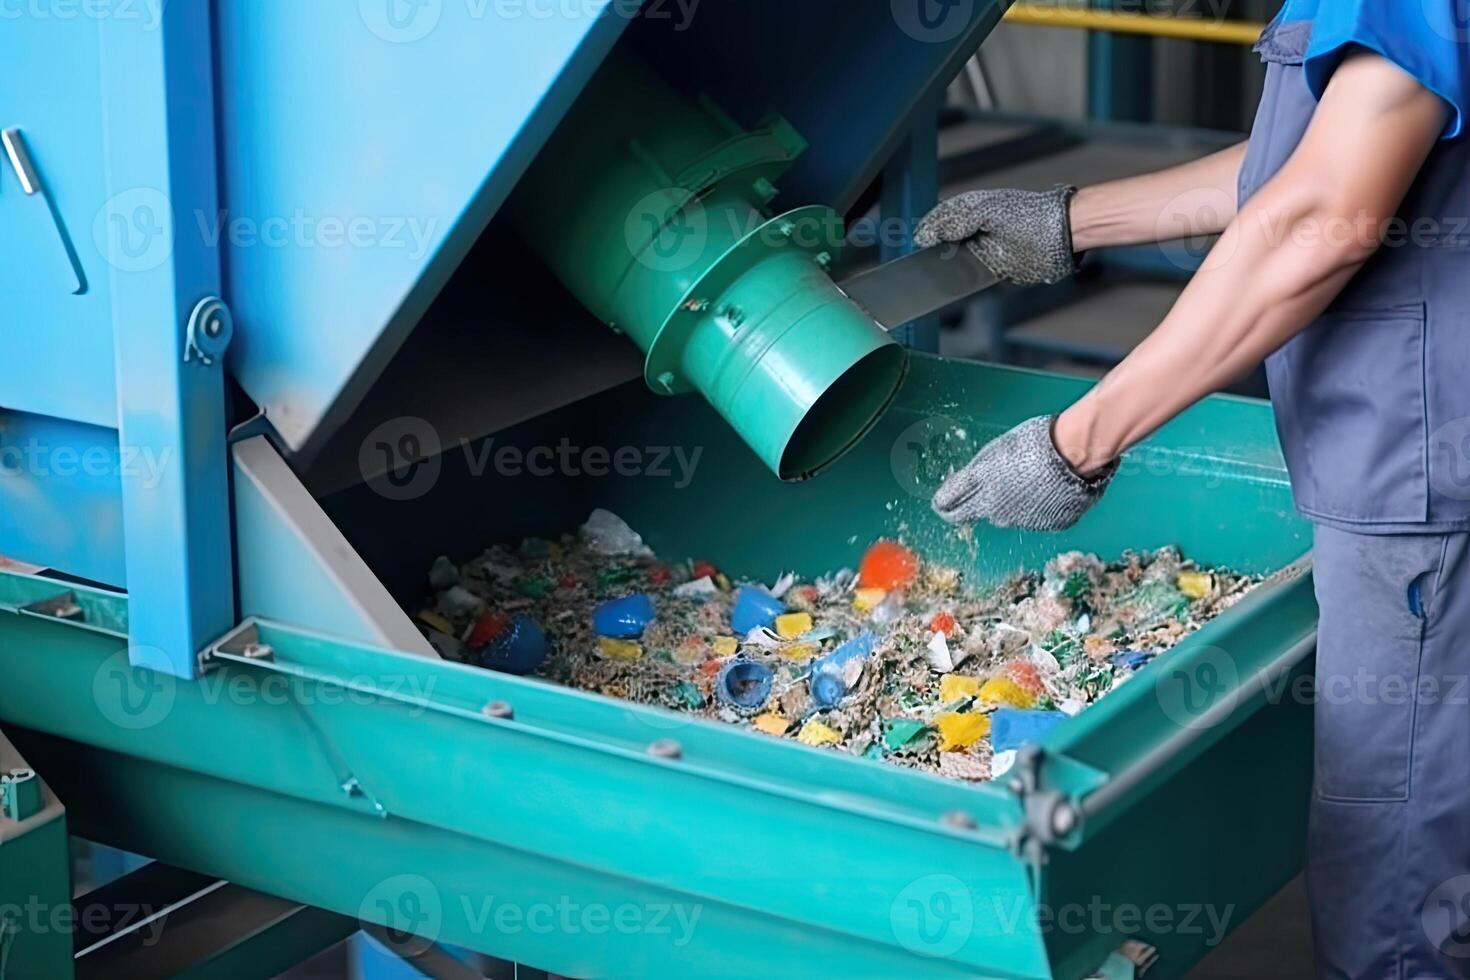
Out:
{"x": 754, "y": 608}
{"x": 519, "y": 649}
{"x": 1131, "y": 659}
{"x": 828, "y": 688}
{"x": 744, "y": 684}
{"x": 624, "y": 619}
{"x": 1011, "y": 728}
{"x": 827, "y": 683}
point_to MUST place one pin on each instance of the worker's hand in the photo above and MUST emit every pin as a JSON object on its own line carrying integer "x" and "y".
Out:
{"x": 1021, "y": 236}
{"x": 1021, "y": 480}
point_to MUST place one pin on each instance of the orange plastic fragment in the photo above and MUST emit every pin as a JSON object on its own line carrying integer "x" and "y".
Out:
{"x": 887, "y": 565}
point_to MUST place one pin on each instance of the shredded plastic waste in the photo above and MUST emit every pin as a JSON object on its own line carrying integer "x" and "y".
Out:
{"x": 901, "y": 660}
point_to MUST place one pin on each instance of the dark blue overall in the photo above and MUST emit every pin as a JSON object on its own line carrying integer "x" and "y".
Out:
{"x": 1373, "y": 410}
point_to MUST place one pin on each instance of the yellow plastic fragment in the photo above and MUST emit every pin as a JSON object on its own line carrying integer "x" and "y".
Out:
{"x": 953, "y": 687}
{"x": 725, "y": 646}
{"x": 431, "y": 618}
{"x": 866, "y": 600}
{"x": 792, "y": 625}
{"x": 1196, "y": 585}
{"x": 818, "y": 734}
{"x": 799, "y": 651}
{"x": 618, "y": 649}
{"x": 771, "y": 723}
{"x": 961, "y": 730}
{"x": 1002, "y": 692}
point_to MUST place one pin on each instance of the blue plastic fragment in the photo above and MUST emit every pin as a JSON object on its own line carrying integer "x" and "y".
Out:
{"x": 1132, "y": 659}
{"x": 625, "y": 618}
{"x": 827, "y": 683}
{"x": 754, "y": 608}
{"x": 1011, "y": 728}
{"x": 744, "y": 683}
{"x": 519, "y": 648}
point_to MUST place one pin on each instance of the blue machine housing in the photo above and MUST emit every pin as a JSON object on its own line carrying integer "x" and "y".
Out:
{"x": 324, "y": 169}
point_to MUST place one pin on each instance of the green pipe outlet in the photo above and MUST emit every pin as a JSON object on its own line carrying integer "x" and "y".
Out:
{"x": 652, "y": 210}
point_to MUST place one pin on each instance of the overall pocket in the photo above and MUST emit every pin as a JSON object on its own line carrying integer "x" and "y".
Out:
{"x": 1350, "y": 409}
{"x": 1376, "y": 593}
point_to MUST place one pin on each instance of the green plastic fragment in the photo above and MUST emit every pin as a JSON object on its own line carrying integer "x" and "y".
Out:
{"x": 899, "y": 732}
{"x": 1077, "y": 584}
{"x": 534, "y": 588}
{"x": 689, "y": 694}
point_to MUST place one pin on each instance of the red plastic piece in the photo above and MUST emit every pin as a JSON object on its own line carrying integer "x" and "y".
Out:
{"x": 944, "y": 623}
{"x": 658, "y": 574}
{"x": 703, "y": 568}
{"x": 887, "y": 565}
{"x": 567, "y": 581}
{"x": 1026, "y": 676}
{"x": 487, "y": 628}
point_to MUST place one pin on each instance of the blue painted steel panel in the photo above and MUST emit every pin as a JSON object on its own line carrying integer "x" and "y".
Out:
{"x": 57, "y": 344}
{"x": 849, "y": 76}
{"x": 158, "y": 129}
{"x": 61, "y": 494}
{"x": 364, "y": 147}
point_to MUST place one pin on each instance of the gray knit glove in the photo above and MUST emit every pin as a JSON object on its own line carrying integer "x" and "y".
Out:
{"x": 1020, "y": 480}
{"x": 1021, "y": 236}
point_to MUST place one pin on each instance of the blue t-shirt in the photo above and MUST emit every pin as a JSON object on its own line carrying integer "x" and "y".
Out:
{"x": 1428, "y": 39}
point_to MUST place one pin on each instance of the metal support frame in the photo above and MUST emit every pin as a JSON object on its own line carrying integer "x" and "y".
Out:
{"x": 164, "y": 921}
{"x": 35, "y": 883}
{"x": 1120, "y": 74}
{"x": 910, "y": 189}
{"x": 160, "y": 147}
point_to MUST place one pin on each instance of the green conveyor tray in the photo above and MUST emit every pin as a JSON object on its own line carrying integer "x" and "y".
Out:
{"x": 593, "y": 837}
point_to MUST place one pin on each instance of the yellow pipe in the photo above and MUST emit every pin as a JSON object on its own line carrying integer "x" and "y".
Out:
{"x": 1117, "y": 22}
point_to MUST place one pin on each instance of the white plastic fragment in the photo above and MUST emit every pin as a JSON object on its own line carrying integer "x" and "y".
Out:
{"x": 608, "y": 534}
{"x": 764, "y": 638}
{"x": 1071, "y": 706}
{"x": 938, "y": 653}
{"x": 443, "y": 573}
{"x": 837, "y": 583}
{"x": 1001, "y": 763}
{"x": 457, "y": 602}
{"x": 700, "y": 588}
{"x": 783, "y": 585}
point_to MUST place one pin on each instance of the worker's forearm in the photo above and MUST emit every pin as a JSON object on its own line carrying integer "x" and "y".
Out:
{"x": 1270, "y": 274}
{"x": 1195, "y": 198}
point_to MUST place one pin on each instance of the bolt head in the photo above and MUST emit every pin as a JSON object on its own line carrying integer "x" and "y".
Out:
{"x": 958, "y": 820}
{"x": 258, "y": 651}
{"x": 666, "y": 748}
{"x": 1064, "y": 819}
{"x": 498, "y": 709}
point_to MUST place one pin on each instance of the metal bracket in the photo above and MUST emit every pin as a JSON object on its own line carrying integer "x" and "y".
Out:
{"x": 211, "y": 327}
{"x": 1050, "y": 816}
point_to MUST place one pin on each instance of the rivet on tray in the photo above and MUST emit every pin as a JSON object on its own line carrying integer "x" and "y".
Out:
{"x": 498, "y": 709}
{"x": 666, "y": 748}
{"x": 959, "y": 820}
{"x": 258, "y": 651}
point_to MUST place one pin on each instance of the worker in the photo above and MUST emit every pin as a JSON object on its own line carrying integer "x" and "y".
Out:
{"x": 1343, "y": 262}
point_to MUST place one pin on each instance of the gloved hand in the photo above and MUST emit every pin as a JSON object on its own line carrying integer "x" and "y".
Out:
{"x": 1021, "y": 236}
{"x": 1020, "y": 480}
